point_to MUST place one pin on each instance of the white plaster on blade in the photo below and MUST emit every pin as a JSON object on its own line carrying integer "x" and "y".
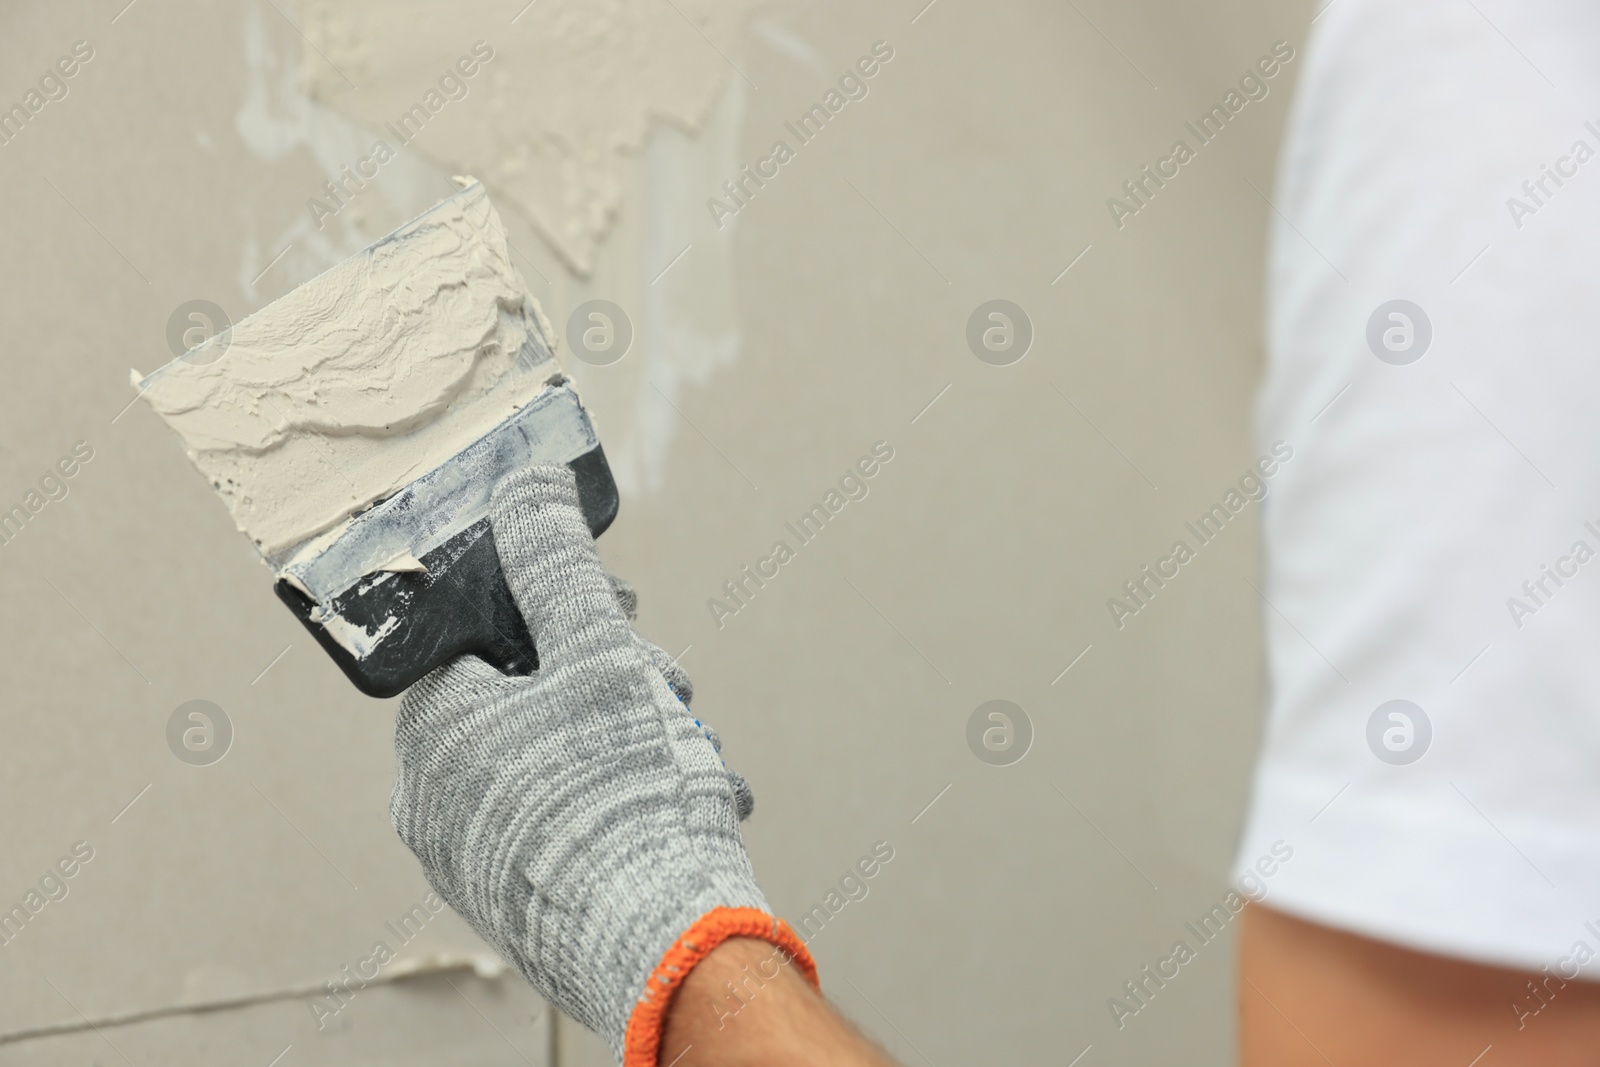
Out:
{"x": 361, "y": 380}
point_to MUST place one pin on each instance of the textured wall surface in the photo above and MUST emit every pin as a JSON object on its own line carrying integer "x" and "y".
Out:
{"x": 778, "y": 337}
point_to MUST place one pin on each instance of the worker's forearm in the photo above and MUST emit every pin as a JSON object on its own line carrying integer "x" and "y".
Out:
{"x": 729, "y": 1013}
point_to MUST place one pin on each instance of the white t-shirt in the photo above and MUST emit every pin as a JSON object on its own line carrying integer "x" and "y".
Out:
{"x": 1423, "y": 495}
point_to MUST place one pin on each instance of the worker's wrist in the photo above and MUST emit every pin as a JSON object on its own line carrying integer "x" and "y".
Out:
{"x": 751, "y": 1003}
{"x": 734, "y": 1005}
{"x": 737, "y": 951}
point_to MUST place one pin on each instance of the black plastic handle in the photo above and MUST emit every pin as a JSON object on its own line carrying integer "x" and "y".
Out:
{"x": 461, "y": 604}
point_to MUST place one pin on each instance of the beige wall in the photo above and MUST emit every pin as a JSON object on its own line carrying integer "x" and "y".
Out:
{"x": 823, "y": 319}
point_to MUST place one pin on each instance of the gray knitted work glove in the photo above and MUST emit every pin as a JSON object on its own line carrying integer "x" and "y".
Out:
{"x": 744, "y": 799}
{"x": 580, "y": 818}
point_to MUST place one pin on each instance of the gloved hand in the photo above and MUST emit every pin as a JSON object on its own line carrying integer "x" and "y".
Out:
{"x": 580, "y": 818}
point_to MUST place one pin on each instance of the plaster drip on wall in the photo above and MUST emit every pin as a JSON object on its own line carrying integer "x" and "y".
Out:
{"x": 485, "y": 965}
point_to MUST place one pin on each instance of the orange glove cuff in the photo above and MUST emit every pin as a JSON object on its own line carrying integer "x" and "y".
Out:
{"x": 642, "y": 1045}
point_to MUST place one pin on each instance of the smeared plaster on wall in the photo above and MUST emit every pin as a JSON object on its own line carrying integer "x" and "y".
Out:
{"x": 275, "y": 118}
{"x": 576, "y": 86}
{"x": 214, "y": 988}
{"x": 674, "y": 276}
{"x": 601, "y": 123}
{"x": 786, "y": 42}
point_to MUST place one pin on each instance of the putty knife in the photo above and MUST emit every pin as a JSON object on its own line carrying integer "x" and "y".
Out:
{"x": 387, "y": 628}
{"x": 412, "y": 579}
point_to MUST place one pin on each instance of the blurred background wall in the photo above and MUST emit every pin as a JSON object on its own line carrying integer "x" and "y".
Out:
{"x": 837, "y": 308}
